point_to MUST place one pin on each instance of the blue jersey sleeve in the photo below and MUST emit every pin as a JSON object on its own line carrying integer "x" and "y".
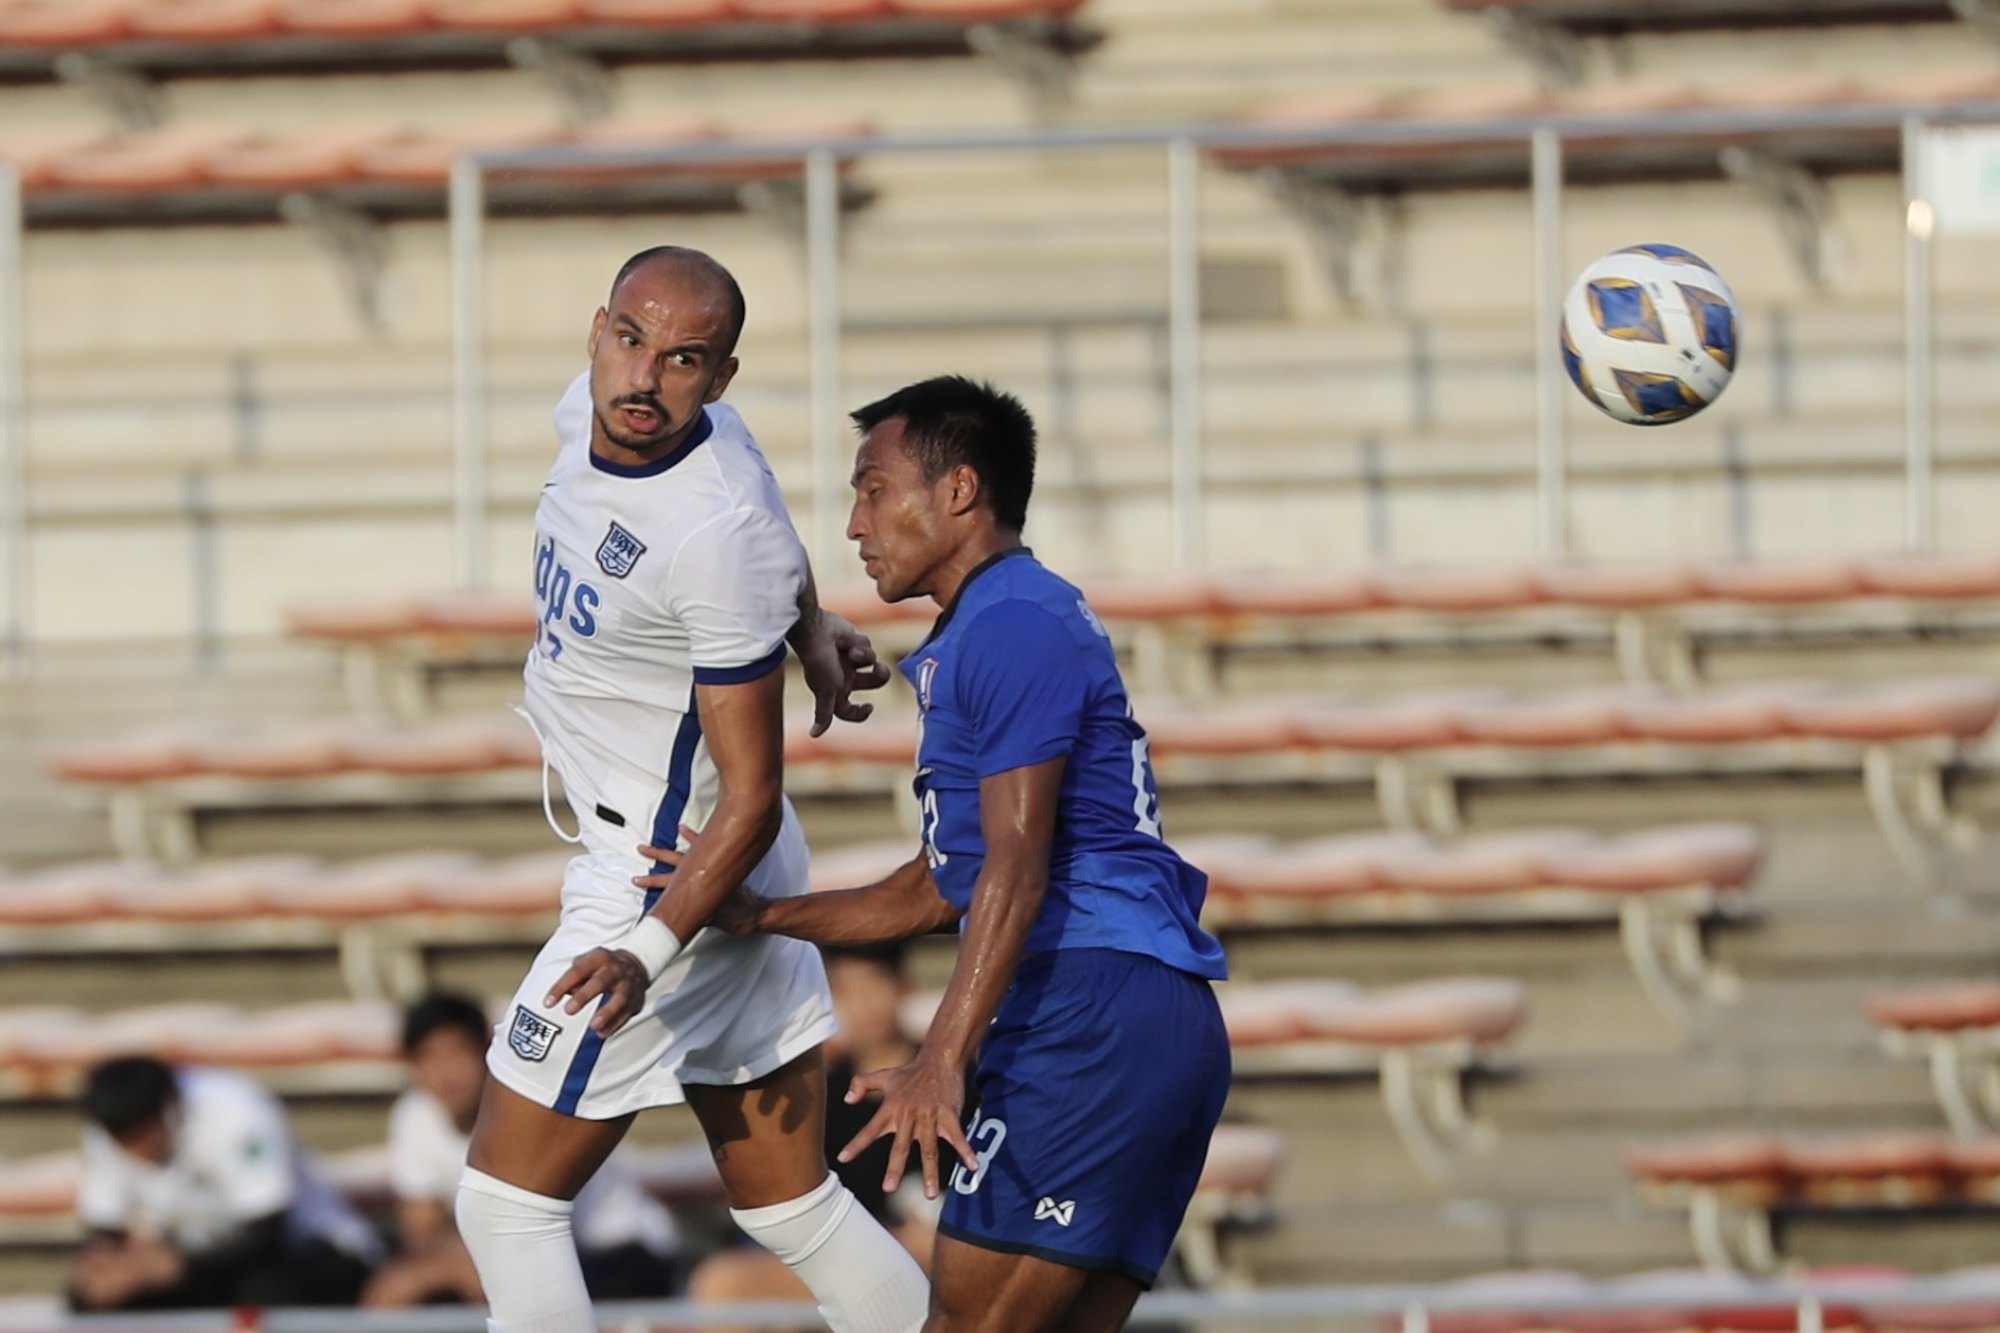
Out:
{"x": 1024, "y": 687}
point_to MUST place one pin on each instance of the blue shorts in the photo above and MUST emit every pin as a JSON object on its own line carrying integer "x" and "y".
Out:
{"x": 1099, "y": 1086}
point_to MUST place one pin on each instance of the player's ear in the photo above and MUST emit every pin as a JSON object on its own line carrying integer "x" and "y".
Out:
{"x": 720, "y": 384}
{"x": 596, "y": 332}
{"x": 965, "y": 489}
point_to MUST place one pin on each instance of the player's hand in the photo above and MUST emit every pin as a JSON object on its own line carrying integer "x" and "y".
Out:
{"x": 612, "y": 973}
{"x": 670, "y": 857}
{"x": 739, "y": 913}
{"x": 922, "y": 1102}
{"x": 839, "y": 661}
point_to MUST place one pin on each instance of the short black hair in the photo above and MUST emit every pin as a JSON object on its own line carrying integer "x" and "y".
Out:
{"x": 952, "y": 421}
{"x": 442, "y": 1011}
{"x": 699, "y": 259}
{"x": 132, "y": 1090}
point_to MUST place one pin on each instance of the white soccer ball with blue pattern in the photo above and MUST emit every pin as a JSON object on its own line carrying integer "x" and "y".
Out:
{"x": 1649, "y": 334}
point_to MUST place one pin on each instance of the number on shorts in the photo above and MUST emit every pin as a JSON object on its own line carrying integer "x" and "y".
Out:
{"x": 994, "y": 1132}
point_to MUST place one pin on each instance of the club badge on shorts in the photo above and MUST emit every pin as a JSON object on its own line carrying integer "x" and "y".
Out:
{"x": 618, "y": 552}
{"x": 532, "y": 1036}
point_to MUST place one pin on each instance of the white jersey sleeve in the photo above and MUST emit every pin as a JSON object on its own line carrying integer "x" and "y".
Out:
{"x": 104, "y": 1195}
{"x": 735, "y": 586}
{"x": 236, "y": 1137}
{"x": 426, "y": 1151}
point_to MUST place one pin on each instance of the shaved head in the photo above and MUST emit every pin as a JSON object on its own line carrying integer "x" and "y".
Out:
{"x": 696, "y": 267}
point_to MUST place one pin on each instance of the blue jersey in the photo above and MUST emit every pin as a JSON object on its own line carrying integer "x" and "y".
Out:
{"x": 1017, "y": 672}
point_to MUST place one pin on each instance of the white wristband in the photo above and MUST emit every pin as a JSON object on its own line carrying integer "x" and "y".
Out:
{"x": 652, "y": 944}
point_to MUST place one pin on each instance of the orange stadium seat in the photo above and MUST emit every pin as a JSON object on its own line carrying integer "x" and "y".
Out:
{"x": 1715, "y": 856}
{"x": 1580, "y": 717}
{"x": 1781, "y": 582}
{"x": 1727, "y": 717}
{"x": 988, "y": 11}
{"x": 465, "y": 745}
{"x": 1870, "y": 1169}
{"x": 71, "y": 895}
{"x": 500, "y": 614}
{"x": 414, "y": 158}
{"x": 329, "y": 155}
{"x": 530, "y": 884}
{"x": 206, "y": 20}
{"x": 44, "y": 1185}
{"x": 660, "y": 13}
{"x": 298, "y": 1034}
{"x": 815, "y": 11}
{"x": 375, "y": 887}
{"x": 361, "y": 620}
{"x": 1238, "y": 729}
{"x": 1933, "y": 577}
{"x": 1243, "y": 1159}
{"x": 1168, "y": 597}
{"x": 1425, "y": 721}
{"x": 356, "y": 18}
{"x": 1470, "y": 588}
{"x": 148, "y": 755}
{"x": 163, "y": 160}
{"x": 222, "y": 891}
{"x": 1336, "y": 593}
{"x": 1958, "y": 709}
{"x": 506, "y": 15}
{"x": 1495, "y": 863}
{"x": 1750, "y": 1169}
{"x": 64, "y": 22}
{"x": 1951, "y": 1007}
{"x": 1342, "y": 866}
{"x": 1474, "y": 1009}
{"x": 1618, "y": 586}
{"x": 311, "y": 751}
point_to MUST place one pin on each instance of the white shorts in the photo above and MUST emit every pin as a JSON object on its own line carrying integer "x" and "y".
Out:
{"x": 726, "y": 1011}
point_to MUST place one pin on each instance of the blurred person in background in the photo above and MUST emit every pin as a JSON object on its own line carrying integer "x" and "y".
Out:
{"x": 625, "y": 1238}
{"x": 869, "y": 985}
{"x": 196, "y": 1194}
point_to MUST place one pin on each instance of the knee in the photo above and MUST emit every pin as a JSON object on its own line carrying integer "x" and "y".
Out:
{"x": 487, "y": 1207}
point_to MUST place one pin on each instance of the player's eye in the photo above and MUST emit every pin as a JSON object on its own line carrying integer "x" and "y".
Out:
{"x": 628, "y": 340}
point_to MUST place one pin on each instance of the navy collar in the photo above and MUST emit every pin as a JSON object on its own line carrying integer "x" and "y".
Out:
{"x": 959, "y": 596}
{"x": 696, "y": 438}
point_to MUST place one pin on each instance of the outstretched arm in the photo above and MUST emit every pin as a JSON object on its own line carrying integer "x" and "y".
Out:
{"x": 838, "y": 660}
{"x": 904, "y": 904}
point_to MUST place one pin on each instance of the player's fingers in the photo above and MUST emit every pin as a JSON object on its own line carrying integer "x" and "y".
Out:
{"x": 927, "y": 1149}
{"x": 588, "y": 989}
{"x": 899, "y": 1155}
{"x": 672, "y": 856}
{"x": 954, "y": 1134}
{"x": 877, "y": 1125}
{"x": 567, "y": 982}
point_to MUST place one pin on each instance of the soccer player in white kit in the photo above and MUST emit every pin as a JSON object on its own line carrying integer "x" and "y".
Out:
{"x": 669, "y": 581}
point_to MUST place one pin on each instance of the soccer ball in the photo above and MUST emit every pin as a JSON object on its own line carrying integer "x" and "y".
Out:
{"x": 1649, "y": 334}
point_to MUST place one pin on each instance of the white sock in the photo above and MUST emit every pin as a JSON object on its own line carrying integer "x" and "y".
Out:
{"x": 526, "y": 1257}
{"x": 864, "y": 1281}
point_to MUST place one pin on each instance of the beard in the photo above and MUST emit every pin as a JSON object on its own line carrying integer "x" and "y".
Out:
{"x": 615, "y": 432}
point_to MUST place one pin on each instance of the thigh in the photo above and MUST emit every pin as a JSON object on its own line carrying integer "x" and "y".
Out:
{"x": 768, "y": 1136}
{"x": 531, "y": 1147}
{"x": 1103, "y": 1306}
{"x": 978, "y": 1290}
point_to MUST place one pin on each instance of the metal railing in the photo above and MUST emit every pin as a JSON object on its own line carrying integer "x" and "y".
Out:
{"x": 821, "y": 161}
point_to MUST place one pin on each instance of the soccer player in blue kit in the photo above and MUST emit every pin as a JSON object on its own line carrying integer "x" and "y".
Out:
{"x": 1082, "y": 981}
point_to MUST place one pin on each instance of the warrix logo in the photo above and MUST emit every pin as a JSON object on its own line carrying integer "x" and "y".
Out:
{"x": 1063, "y": 1213}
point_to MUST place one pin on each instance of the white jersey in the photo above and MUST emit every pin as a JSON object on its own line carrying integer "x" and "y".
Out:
{"x": 650, "y": 580}
{"x": 427, "y": 1156}
{"x": 234, "y": 1161}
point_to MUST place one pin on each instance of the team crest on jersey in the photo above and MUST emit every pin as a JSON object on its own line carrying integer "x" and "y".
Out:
{"x": 926, "y": 677}
{"x": 532, "y": 1036}
{"x": 618, "y": 552}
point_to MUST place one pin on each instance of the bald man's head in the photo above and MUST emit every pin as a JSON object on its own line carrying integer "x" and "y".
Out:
{"x": 698, "y": 266}
{"x": 662, "y": 348}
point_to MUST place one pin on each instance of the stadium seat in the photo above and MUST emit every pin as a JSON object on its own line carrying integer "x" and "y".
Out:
{"x": 71, "y": 895}
{"x": 1473, "y": 588}
{"x": 63, "y": 23}
{"x": 219, "y": 892}
{"x": 356, "y": 18}
{"x": 859, "y": 864}
{"x": 328, "y": 156}
{"x": 1781, "y": 582}
{"x": 312, "y": 751}
{"x": 374, "y": 887}
{"x": 1237, "y": 1179}
{"x": 1581, "y": 717}
{"x": 1618, "y": 587}
{"x": 163, "y": 160}
{"x": 519, "y": 886}
{"x": 40, "y": 1186}
{"x": 1496, "y": 863}
{"x": 1294, "y": 596}
{"x": 1955, "y": 1029}
{"x": 659, "y": 13}
{"x": 507, "y": 15}
{"x": 1941, "y": 578}
{"x": 1737, "y": 716}
{"x": 1955, "y": 709}
{"x": 205, "y": 20}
